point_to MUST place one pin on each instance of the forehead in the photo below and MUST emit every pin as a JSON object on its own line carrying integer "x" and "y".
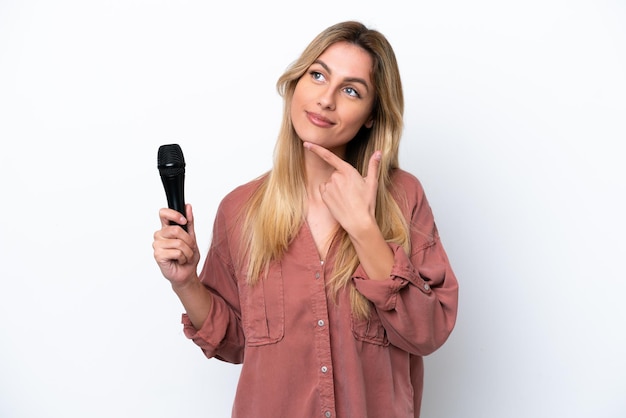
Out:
{"x": 345, "y": 59}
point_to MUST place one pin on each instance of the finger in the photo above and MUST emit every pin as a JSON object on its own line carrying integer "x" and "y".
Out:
{"x": 374, "y": 166}
{"x": 180, "y": 256}
{"x": 326, "y": 155}
{"x": 168, "y": 215}
{"x": 190, "y": 221}
{"x": 189, "y": 214}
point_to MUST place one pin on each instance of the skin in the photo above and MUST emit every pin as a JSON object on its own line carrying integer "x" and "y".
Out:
{"x": 331, "y": 102}
{"x": 334, "y": 98}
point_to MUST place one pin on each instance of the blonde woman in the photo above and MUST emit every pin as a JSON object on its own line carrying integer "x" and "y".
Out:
{"x": 325, "y": 276}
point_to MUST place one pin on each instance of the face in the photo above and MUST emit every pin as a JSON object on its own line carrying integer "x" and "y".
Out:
{"x": 335, "y": 97}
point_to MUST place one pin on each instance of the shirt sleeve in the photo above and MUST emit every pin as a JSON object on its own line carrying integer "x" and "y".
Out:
{"x": 417, "y": 304}
{"x": 221, "y": 335}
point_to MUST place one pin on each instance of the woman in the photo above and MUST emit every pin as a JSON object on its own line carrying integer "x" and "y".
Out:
{"x": 325, "y": 277}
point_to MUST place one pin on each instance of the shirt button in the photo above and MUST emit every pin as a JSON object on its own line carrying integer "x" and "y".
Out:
{"x": 426, "y": 286}
{"x": 317, "y": 274}
{"x": 324, "y": 369}
{"x": 320, "y": 323}
{"x": 327, "y": 414}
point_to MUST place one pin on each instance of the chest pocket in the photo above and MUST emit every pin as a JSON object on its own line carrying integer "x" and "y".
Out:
{"x": 263, "y": 309}
{"x": 369, "y": 330}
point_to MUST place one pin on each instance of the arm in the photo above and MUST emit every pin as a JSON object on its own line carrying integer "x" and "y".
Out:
{"x": 417, "y": 303}
{"x": 351, "y": 200}
{"x": 415, "y": 296}
{"x": 209, "y": 320}
{"x": 176, "y": 253}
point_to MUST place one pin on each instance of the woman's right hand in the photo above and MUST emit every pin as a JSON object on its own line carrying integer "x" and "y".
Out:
{"x": 176, "y": 250}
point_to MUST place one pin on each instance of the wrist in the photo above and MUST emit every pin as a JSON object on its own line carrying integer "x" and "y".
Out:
{"x": 364, "y": 230}
{"x": 189, "y": 285}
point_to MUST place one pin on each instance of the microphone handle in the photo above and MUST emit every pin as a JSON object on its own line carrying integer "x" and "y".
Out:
{"x": 175, "y": 193}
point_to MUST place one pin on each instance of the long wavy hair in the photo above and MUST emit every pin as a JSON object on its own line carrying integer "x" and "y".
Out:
{"x": 275, "y": 213}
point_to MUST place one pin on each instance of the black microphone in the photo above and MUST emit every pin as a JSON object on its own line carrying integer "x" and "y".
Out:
{"x": 171, "y": 164}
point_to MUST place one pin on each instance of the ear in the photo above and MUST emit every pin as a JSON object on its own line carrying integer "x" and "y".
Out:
{"x": 369, "y": 123}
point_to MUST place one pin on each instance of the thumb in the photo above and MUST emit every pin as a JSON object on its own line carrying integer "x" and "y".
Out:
{"x": 190, "y": 220}
{"x": 373, "y": 167}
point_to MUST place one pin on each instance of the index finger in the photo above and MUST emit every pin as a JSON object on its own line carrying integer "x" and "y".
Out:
{"x": 326, "y": 155}
{"x": 169, "y": 216}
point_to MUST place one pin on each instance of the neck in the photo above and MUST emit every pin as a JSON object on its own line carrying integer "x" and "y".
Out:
{"x": 317, "y": 172}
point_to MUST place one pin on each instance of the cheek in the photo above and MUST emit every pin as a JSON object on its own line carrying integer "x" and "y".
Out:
{"x": 298, "y": 105}
{"x": 357, "y": 117}
{"x": 295, "y": 113}
{"x": 296, "y": 100}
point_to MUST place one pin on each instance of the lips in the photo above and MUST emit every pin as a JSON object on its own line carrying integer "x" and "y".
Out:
{"x": 319, "y": 120}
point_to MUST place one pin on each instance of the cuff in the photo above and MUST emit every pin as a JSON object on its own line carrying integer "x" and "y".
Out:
{"x": 383, "y": 293}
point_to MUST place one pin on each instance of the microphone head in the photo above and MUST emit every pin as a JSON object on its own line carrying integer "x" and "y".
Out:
{"x": 171, "y": 161}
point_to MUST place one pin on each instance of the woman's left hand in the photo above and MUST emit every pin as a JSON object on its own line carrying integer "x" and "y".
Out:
{"x": 350, "y": 198}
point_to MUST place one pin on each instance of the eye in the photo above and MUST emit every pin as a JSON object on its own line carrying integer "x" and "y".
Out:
{"x": 352, "y": 92}
{"x": 317, "y": 76}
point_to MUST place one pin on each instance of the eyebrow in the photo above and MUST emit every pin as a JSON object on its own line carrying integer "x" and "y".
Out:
{"x": 349, "y": 79}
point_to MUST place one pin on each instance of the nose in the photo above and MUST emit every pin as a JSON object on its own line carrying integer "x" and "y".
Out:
{"x": 326, "y": 100}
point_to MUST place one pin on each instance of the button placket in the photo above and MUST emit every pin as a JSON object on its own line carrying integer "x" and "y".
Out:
{"x": 322, "y": 339}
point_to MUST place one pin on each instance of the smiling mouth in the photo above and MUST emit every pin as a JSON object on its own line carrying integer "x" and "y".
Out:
{"x": 319, "y": 120}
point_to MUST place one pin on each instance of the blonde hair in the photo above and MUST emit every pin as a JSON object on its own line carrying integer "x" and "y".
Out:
{"x": 275, "y": 213}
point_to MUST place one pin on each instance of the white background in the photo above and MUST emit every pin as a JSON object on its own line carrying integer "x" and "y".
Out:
{"x": 514, "y": 123}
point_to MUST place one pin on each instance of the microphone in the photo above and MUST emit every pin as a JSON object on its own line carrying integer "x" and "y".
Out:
{"x": 171, "y": 164}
